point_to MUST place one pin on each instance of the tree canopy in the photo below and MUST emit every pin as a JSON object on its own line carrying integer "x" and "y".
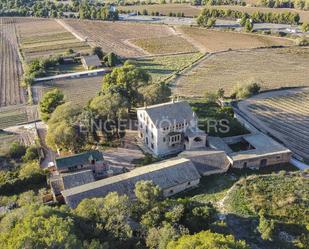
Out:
{"x": 49, "y": 103}
{"x": 207, "y": 240}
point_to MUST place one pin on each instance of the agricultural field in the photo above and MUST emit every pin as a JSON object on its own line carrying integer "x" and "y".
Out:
{"x": 273, "y": 68}
{"x": 78, "y": 90}
{"x": 284, "y": 114}
{"x": 10, "y": 65}
{"x": 163, "y": 67}
{"x": 116, "y": 36}
{"x": 214, "y": 40}
{"x": 14, "y": 115}
{"x": 45, "y": 37}
{"x": 165, "y": 45}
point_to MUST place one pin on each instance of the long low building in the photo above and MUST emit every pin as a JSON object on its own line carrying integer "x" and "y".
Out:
{"x": 252, "y": 150}
{"x": 172, "y": 176}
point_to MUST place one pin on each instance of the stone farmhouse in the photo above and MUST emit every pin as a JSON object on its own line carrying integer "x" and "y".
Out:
{"x": 169, "y": 128}
{"x": 165, "y": 129}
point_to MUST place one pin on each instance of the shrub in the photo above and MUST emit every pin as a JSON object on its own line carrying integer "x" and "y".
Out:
{"x": 17, "y": 150}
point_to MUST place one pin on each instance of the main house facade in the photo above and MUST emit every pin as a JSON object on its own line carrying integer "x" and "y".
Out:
{"x": 169, "y": 128}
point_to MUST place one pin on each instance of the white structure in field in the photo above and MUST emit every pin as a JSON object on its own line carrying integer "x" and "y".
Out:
{"x": 169, "y": 128}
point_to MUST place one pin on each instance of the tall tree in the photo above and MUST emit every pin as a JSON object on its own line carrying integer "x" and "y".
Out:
{"x": 49, "y": 102}
{"x": 126, "y": 81}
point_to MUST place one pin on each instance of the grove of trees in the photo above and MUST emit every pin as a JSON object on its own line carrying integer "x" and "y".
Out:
{"x": 256, "y": 17}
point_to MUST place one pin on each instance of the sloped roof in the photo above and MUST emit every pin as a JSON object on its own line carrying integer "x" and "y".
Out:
{"x": 173, "y": 112}
{"x": 165, "y": 174}
{"x": 208, "y": 161}
{"x": 71, "y": 180}
{"x": 78, "y": 159}
{"x": 92, "y": 60}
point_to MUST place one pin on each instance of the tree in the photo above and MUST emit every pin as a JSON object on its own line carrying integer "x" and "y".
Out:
{"x": 98, "y": 51}
{"x": 63, "y": 132}
{"x": 305, "y": 27}
{"x": 147, "y": 193}
{"x": 111, "y": 59}
{"x": 155, "y": 93}
{"x": 17, "y": 150}
{"x": 32, "y": 153}
{"x": 248, "y": 26}
{"x": 126, "y": 81}
{"x": 207, "y": 240}
{"x": 40, "y": 227}
{"x": 266, "y": 227}
{"x": 29, "y": 169}
{"x": 158, "y": 238}
{"x": 111, "y": 107}
{"x": 110, "y": 213}
{"x": 49, "y": 103}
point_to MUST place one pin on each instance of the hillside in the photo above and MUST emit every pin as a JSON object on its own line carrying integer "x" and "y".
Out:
{"x": 284, "y": 196}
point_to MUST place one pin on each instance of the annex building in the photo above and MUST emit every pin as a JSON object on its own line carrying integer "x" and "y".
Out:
{"x": 172, "y": 176}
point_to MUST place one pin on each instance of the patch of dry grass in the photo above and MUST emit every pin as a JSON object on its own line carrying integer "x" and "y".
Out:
{"x": 165, "y": 45}
{"x": 214, "y": 40}
{"x": 276, "y": 68}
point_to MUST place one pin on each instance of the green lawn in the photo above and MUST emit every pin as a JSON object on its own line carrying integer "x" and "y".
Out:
{"x": 12, "y": 116}
{"x": 163, "y": 67}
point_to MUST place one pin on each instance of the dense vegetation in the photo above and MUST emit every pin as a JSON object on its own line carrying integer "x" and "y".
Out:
{"x": 279, "y": 201}
{"x": 73, "y": 128}
{"x": 114, "y": 221}
{"x": 256, "y": 17}
{"x": 40, "y": 8}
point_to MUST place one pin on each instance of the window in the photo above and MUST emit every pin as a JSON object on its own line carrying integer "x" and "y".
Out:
{"x": 152, "y": 136}
{"x": 164, "y": 139}
{"x": 152, "y": 146}
{"x": 189, "y": 183}
{"x": 171, "y": 191}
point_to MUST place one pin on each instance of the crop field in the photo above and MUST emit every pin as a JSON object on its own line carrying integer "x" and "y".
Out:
{"x": 115, "y": 36}
{"x": 213, "y": 40}
{"x": 165, "y": 45}
{"x": 10, "y": 65}
{"x": 274, "y": 68}
{"x": 14, "y": 115}
{"x": 285, "y": 115}
{"x": 45, "y": 37}
{"x": 79, "y": 90}
{"x": 164, "y": 9}
{"x": 163, "y": 67}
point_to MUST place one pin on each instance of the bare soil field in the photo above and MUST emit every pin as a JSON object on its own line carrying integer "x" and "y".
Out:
{"x": 214, "y": 40}
{"x": 285, "y": 115}
{"x": 165, "y": 9}
{"x": 45, "y": 37}
{"x": 276, "y": 68}
{"x": 10, "y": 65}
{"x": 115, "y": 36}
{"x": 79, "y": 90}
{"x": 165, "y": 45}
